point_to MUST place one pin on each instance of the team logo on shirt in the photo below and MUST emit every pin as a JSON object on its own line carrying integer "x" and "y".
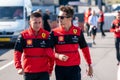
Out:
{"x": 60, "y": 38}
{"x": 43, "y": 35}
{"x": 29, "y": 42}
{"x": 74, "y": 31}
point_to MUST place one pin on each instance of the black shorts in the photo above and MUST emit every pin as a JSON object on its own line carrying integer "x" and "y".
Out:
{"x": 94, "y": 31}
{"x": 68, "y": 73}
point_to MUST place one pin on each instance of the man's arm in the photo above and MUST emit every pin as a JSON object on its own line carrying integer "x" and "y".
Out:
{"x": 112, "y": 29}
{"x": 18, "y": 54}
{"x": 86, "y": 53}
{"x": 49, "y": 22}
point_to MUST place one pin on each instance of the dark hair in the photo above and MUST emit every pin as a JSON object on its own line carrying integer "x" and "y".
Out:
{"x": 68, "y": 9}
{"x": 35, "y": 14}
{"x": 89, "y": 8}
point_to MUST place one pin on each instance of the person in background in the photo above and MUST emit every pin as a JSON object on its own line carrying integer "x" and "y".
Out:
{"x": 33, "y": 54}
{"x": 67, "y": 39}
{"x": 86, "y": 24}
{"x": 93, "y": 21}
{"x": 18, "y": 14}
{"x": 46, "y": 20}
{"x": 76, "y": 21}
{"x": 101, "y": 22}
{"x": 115, "y": 27}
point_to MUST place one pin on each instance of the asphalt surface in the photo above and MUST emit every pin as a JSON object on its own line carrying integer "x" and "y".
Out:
{"x": 103, "y": 58}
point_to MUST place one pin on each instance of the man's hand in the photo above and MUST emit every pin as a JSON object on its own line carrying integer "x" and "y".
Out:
{"x": 20, "y": 71}
{"x": 90, "y": 71}
{"x": 117, "y": 29}
{"x": 61, "y": 57}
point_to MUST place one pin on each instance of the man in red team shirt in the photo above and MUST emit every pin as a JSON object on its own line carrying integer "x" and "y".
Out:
{"x": 86, "y": 17}
{"x": 116, "y": 29}
{"x": 33, "y": 55}
{"x": 67, "y": 39}
{"x": 101, "y": 22}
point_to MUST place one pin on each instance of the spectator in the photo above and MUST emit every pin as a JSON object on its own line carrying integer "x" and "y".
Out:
{"x": 18, "y": 14}
{"x": 101, "y": 22}
{"x": 93, "y": 20}
{"x": 67, "y": 39}
{"x": 116, "y": 29}
{"x": 76, "y": 21}
{"x": 46, "y": 19}
{"x": 86, "y": 24}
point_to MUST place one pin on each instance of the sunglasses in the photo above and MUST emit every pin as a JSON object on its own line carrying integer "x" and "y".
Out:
{"x": 37, "y": 10}
{"x": 62, "y": 17}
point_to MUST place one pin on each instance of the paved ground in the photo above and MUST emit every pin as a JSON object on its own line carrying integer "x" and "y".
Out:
{"x": 103, "y": 57}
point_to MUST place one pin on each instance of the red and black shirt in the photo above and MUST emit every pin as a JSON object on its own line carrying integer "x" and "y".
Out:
{"x": 36, "y": 50}
{"x": 68, "y": 42}
{"x": 101, "y": 17}
{"x": 114, "y": 26}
